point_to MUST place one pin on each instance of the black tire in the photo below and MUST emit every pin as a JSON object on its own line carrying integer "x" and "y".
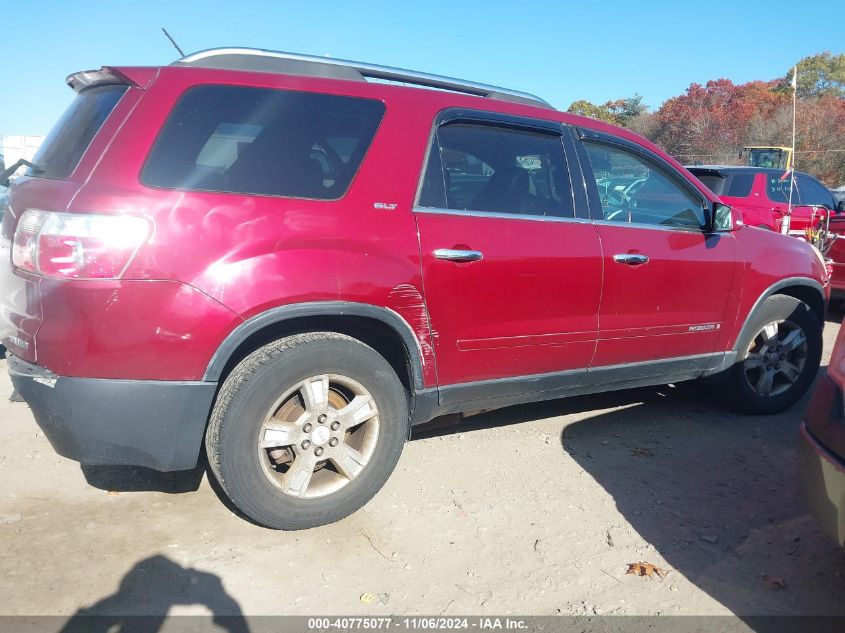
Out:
{"x": 249, "y": 393}
{"x": 733, "y": 386}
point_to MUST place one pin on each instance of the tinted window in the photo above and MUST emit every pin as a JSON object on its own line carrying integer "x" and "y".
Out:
{"x": 478, "y": 167}
{"x": 632, "y": 189}
{"x": 740, "y": 185}
{"x": 63, "y": 148}
{"x": 777, "y": 188}
{"x": 263, "y": 141}
{"x": 714, "y": 183}
{"x": 814, "y": 193}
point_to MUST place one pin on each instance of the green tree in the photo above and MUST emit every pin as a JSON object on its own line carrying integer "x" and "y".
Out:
{"x": 619, "y": 112}
{"x": 821, "y": 75}
{"x": 629, "y": 109}
{"x": 583, "y": 107}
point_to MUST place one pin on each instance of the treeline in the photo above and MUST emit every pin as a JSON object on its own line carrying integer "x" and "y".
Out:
{"x": 713, "y": 122}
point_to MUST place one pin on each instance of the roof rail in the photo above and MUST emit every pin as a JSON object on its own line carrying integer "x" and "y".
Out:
{"x": 254, "y": 59}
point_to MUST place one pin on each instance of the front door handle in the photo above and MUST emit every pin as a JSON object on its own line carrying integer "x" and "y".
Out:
{"x": 632, "y": 259}
{"x": 458, "y": 255}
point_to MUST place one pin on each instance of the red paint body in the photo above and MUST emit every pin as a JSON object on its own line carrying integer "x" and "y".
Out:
{"x": 837, "y": 254}
{"x": 547, "y": 297}
{"x": 761, "y": 211}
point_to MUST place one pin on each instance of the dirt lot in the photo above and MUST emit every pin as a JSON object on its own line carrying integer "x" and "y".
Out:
{"x": 528, "y": 510}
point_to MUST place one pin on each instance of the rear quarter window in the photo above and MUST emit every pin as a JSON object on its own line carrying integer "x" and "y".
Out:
{"x": 739, "y": 185}
{"x": 233, "y": 139}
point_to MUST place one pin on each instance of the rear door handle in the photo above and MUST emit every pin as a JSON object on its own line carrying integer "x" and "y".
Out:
{"x": 458, "y": 255}
{"x": 632, "y": 259}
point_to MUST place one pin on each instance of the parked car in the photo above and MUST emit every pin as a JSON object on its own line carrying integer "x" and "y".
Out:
{"x": 762, "y": 195}
{"x": 266, "y": 253}
{"x": 821, "y": 452}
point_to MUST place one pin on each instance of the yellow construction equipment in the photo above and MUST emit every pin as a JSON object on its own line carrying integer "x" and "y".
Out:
{"x": 766, "y": 156}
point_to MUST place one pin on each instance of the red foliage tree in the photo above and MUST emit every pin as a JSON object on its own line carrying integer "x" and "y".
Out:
{"x": 711, "y": 123}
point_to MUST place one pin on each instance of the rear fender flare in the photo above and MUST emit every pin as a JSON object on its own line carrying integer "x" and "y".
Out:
{"x": 318, "y": 308}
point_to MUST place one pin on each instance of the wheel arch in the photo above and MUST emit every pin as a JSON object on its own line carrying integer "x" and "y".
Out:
{"x": 382, "y": 329}
{"x": 804, "y": 289}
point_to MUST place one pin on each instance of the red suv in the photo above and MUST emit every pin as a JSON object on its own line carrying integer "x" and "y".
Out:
{"x": 762, "y": 196}
{"x": 269, "y": 254}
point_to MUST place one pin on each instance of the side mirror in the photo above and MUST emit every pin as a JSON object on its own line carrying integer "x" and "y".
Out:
{"x": 725, "y": 218}
{"x": 840, "y": 206}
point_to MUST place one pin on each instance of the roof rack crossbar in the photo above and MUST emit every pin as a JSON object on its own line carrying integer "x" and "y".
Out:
{"x": 295, "y": 63}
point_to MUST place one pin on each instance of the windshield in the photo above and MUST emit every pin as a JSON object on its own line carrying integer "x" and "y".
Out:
{"x": 63, "y": 148}
{"x": 766, "y": 158}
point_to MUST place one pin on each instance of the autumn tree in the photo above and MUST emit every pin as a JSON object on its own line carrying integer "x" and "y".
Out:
{"x": 711, "y": 123}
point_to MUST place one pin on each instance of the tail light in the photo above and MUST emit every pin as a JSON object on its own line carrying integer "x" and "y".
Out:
{"x": 78, "y": 245}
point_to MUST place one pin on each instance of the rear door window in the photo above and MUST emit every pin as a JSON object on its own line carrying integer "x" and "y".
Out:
{"x": 777, "y": 188}
{"x": 263, "y": 141}
{"x": 63, "y": 148}
{"x": 488, "y": 168}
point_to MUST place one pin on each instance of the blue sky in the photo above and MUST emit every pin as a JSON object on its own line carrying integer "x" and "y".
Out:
{"x": 562, "y": 50}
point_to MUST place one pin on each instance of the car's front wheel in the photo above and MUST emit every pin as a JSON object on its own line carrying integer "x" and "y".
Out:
{"x": 778, "y": 358}
{"x": 307, "y": 429}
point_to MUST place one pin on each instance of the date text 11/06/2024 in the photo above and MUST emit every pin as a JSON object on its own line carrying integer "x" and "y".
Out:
{"x": 416, "y": 623}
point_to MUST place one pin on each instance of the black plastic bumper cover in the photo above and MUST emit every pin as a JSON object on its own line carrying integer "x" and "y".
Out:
{"x": 157, "y": 424}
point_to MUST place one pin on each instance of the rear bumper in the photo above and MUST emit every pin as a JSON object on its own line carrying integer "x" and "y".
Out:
{"x": 157, "y": 424}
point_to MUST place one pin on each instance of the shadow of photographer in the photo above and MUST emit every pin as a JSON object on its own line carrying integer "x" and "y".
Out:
{"x": 147, "y": 593}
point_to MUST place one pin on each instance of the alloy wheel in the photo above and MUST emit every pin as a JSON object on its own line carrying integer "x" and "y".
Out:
{"x": 318, "y": 436}
{"x": 776, "y": 358}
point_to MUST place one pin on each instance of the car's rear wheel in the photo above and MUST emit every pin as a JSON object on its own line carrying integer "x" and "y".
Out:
{"x": 778, "y": 358}
{"x": 307, "y": 429}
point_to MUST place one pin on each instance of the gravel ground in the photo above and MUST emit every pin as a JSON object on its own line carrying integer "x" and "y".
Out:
{"x": 528, "y": 510}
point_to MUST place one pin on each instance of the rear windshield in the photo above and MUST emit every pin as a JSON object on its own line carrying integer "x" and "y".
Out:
{"x": 63, "y": 148}
{"x": 714, "y": 182}
{"x": 263, "y": 141}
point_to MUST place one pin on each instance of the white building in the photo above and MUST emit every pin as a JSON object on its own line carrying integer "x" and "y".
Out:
{"x": 13, "y": 148}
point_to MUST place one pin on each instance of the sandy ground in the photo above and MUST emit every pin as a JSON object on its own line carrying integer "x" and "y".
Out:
{"x": 528, "y": 510}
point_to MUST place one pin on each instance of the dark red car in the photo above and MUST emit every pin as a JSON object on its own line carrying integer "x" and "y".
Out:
{"x": 821, "y": 452}
{"x": 269, "y": 254}
{"x": 762, "y": 195}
